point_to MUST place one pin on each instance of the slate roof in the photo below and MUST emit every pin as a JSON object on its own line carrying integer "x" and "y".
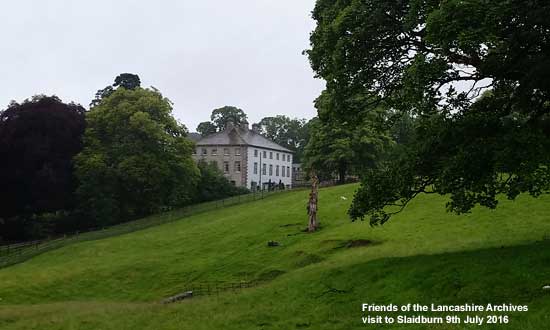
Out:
{"x": 240, "y": 136}
{"x": 194, "y": 136}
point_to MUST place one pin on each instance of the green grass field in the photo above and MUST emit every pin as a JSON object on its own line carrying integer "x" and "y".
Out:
{"x": 312, "y": 281}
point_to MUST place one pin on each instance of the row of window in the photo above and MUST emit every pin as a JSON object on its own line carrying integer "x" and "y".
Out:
{"x": 285, "y": 171}
{"x": 236, "y": 166}
{"x": 286, "y": 158}
{"x": 226, "y": 152}
{"x": 214, "y": 152}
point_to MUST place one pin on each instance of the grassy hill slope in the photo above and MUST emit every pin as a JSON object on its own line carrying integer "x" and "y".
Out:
{"x": 311, "y": 281}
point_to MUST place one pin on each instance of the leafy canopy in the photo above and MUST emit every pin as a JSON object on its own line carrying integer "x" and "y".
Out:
{"x": 433, "y": 59}
{"x": 206, "y": 128}
{"x": 136, "y": 158}
{"x": 219, "y": 119}
{"x": 213, "y": 185}
{"x": 221, "y": 116}
{"x": 124, "y": 80}
{"x": 38, "y": 140}
{"x": 291, "y": 133}
{"x": 342, "y": 148}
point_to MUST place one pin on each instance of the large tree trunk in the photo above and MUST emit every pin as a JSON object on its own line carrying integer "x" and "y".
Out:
{"x": 312, "y": 205}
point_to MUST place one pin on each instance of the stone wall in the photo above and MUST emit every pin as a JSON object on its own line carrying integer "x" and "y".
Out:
{"x": 220, "y": 157}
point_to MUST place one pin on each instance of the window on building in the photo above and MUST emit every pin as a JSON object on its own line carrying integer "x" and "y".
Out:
{"x": 277, "y": 170}
{"x": 255, "y": 168}
{"x": 226, "y": 167}
{"x": 237, "y": 166}
{"x": 270, "y": 155}
{"x": 283, "y": 171}
{"x": 270, "y": 169}
{"x": 284, "y": 157}
{"x": 214, "y": 152}
{"x": 194, "y": 151}
{"x": 226, "y": 151}
{"x": 277, "y": 156}
{"x": 214, "y": 163}
{"x": 255, "y": 152}
{"x": 288, "y": 171}
{"x": 237, "y": 151}
{"x": 265, "y": 154}
{"x": 204, "y": 152}
{"x": 288, "y": 158}
{"x": 264, "y": 167}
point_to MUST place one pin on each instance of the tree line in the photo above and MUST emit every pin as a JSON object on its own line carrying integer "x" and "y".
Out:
{"x": 66, "y": 169}
{"x": 322, "y": 147}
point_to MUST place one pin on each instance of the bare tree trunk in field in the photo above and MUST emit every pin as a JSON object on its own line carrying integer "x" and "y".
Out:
{"x": 312, "y": 205}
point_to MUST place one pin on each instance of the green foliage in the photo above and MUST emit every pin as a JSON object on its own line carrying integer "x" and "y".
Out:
{"x": 206, "y": 128}
{"x": 117, "y": 283}
{"x": 219, "y": 119}
{"x": 432, "y": 59}
{"x": 328, "y": 151}
{"x": 344, "y": 148}
{"x": 212, "y": 185}
{"x": 136, "y": 159}
{"x": 124, "y": 80}
{"x": 286, "y": 132}
{"x": 128, "y": 81}
{"x": 221, "y": 116}
{"x": 402, "y": 127}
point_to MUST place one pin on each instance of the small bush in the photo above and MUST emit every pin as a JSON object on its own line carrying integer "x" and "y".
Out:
{"x": 213, "y": 185}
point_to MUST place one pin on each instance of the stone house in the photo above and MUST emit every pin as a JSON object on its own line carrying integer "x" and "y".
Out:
{"x": 246, "y": 158}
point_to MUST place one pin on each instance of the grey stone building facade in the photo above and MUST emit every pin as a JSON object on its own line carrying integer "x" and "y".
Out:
{"x": 246, "y": 158}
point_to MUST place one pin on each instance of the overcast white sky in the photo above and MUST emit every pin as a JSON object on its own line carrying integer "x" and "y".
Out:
{"x": 202, "y": 54}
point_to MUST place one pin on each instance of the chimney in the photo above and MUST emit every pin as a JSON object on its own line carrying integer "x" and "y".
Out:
{"x": 244, "y": 125}
{"x": 256, "y": 128}
{"x": 229, "y": 125}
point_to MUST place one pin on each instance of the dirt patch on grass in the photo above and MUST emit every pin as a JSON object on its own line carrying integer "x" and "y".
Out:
{"x": 333, "y": 242}
{"x": 291, "y": 225}
{"x": 340, "y": 244}
{"x": 270, "y": 275}
{"x": 358, "y": 243}
{"x": 308, "y": 259}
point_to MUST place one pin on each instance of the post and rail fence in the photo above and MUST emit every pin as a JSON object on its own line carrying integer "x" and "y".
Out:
{"x": 212, "y": 288}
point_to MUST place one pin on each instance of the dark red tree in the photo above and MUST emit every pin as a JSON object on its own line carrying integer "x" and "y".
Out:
{"x": 38, "y": 140}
